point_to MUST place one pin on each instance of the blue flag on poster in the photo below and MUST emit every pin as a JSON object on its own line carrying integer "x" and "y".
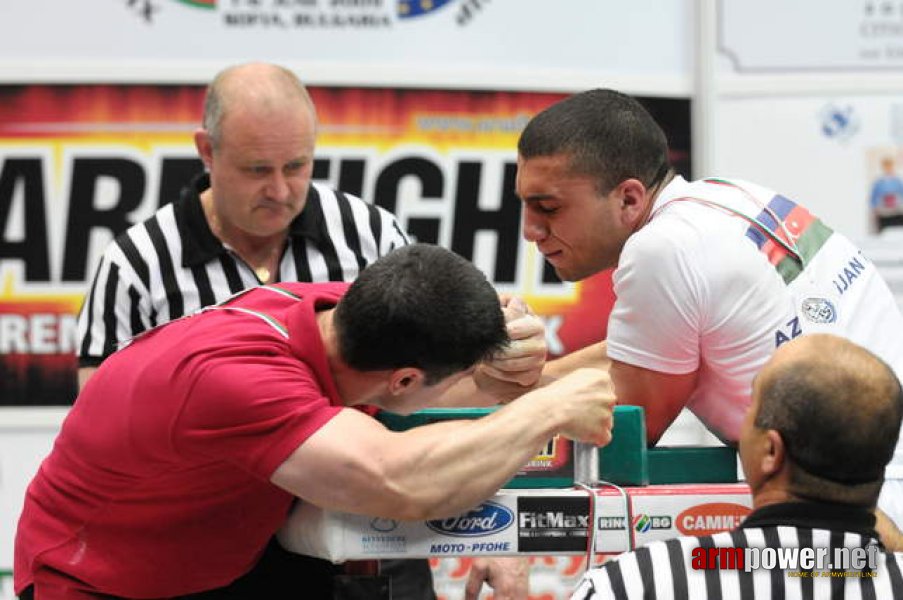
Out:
{"x": 416, "y": 8}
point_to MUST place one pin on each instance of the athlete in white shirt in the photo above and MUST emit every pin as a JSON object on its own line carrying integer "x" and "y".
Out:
{"x": 710, "y": 276}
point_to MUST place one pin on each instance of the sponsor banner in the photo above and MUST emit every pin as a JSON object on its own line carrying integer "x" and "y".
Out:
{"x": 669, "y": 511}
{"x": 487, "y": 529}
{"x": 526, "y": 522}
{"x": 79, "y": 164}
{"x": 553, "y": 524}
{"x": 709, "y": 518}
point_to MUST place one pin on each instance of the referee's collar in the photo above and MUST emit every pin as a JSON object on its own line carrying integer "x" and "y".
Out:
{"x": 815, "y": 515}
{"x": 200, "y": 245}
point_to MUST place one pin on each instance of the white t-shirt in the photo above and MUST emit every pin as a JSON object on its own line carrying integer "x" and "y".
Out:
{"x": 702, "y": 286}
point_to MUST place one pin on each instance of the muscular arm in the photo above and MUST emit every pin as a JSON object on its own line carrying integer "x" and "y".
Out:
{"x": 353, "y": 464}
{"x": 661, "y": 395}
{"x": 114, "y": 310}
{"x": 593, "y": 356}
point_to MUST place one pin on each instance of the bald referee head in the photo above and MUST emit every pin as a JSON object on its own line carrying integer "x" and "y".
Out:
{"x": 823, "y": 424}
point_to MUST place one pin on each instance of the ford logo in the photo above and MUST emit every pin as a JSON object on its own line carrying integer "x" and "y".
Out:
{"x": 485, "y": 519}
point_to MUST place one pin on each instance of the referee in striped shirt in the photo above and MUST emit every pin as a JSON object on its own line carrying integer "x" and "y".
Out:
{"x": 255, "y": 219}
{"x": 814, "y": 460}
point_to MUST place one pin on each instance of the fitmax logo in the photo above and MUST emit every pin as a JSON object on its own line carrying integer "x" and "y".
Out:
{"x": 553, "y": 520}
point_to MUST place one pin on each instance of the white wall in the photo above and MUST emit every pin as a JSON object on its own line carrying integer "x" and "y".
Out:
{"x": 808, "y": 111}
{"x": 26, "y": 436}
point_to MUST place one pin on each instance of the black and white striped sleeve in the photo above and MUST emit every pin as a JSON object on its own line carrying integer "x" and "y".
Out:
{"x": 657, "y": 570}
{"x": 357, "y": 233}
{"x": 367, "y": 230}
{"x": 605, "y": 582}
{"x": 116, "y": 307}
{"x": 595, "y": 587}
{"x": 393, "y": 236}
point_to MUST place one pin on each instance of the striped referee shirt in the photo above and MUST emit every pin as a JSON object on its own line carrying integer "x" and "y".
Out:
{"x": 664, "y": 570}
{"x": 171, "y": 264}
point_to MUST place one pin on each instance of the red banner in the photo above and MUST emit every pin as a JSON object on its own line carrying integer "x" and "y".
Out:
{"x": 80, "y": 163}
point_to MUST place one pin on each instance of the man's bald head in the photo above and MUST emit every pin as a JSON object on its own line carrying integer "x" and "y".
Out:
{"x": 838, "y": 409}
{"x": 259, "y": 88}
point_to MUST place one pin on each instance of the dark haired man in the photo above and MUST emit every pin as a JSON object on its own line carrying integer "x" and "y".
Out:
{"x": 824, "y": 421}
{"x": 185, "y": 450}
{"x": 710, "y": 276}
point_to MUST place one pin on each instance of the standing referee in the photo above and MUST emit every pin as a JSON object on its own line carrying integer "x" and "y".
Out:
{"x": 256, "y": 218}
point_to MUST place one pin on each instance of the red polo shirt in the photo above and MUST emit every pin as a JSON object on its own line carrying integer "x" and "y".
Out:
{"x": 158, "y": 483}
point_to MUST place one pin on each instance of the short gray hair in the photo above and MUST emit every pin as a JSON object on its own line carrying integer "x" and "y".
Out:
{"x": 219, "y": 93}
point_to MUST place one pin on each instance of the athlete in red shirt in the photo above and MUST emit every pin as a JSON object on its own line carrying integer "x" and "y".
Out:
{"x": 185, "y": 450}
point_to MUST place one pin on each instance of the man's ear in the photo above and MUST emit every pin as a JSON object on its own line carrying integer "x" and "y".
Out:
{"x": 631, "y": 193}
{"x": 204, "y": 147}
{"x": 775, "y": 454}
{"x": 406, "y": 380}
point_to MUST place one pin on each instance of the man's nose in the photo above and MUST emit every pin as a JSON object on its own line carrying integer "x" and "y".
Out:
{"x": 535, "y": 229}
{"x": 278, "y": 188}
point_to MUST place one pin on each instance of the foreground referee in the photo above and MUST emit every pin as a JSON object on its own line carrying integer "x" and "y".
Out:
{"x": 823, "y": 424}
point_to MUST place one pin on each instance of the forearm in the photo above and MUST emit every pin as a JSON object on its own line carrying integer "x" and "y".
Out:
{"x": 443, "y": 468}
{"x": 353, "y": 464}
{"x": 594, "y": 356}
{"x": 482, "y": 390}
{"x": 661, "y": 395}
{"x": 450, "y": 467}
{"x": 466, "y": 393}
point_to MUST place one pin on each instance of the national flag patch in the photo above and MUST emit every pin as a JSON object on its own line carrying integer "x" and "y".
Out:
{"x": 795, "y": 227}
